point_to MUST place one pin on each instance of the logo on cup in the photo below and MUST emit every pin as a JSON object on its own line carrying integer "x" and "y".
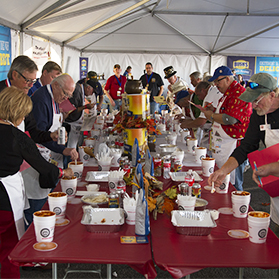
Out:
{"x": 222, "y": 186}
{"x": 95, "y": 137}
{"x": 57, "y": 210}
{"x": 193, "y": 147}
{"x": 45, "y": 232}
{"x": 111, "y": 185}
{"x": 86, "y": 157}
{"x": 211, "y": 170}
{"x": 202, "y": 156}
{"x": 76, "y": 174}
{"x": 262, "y": 233}
{"x": 243, "y": 209}
{"x": 118, "y": 160}
{"x": 180, "y": 207}
{"x": 99, "y": 168}
{"x": 69, "y": 191}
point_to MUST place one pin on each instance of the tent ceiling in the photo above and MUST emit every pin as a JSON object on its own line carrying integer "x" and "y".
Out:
{"x": 241, "y": 27}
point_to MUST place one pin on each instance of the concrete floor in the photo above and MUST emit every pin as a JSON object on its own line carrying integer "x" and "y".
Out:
{"x": 258, "y": 196}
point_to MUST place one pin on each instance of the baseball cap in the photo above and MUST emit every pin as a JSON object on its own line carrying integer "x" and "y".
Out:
{"x": 258, "y": 84}
{"x": 92, "y": 75}
{"x": 116, "y": 66}
{"x": 180, "y": 95}
{"x": 221, "y": 71}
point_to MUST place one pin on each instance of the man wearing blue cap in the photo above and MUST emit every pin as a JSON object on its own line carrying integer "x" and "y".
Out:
{"x": 230, "y": 120}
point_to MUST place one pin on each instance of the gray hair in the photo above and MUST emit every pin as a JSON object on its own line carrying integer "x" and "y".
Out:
{"x": 20, "y": 64}
{"x": 196, "y": 75}
{"x": 62, "y": 80}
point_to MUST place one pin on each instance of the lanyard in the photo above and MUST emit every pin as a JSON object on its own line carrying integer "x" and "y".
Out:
{"x": 54, "y": 104}
{"x": 8, "y": 83}
{"x": 118, "y": 81}
{"x": 148, "y": 79}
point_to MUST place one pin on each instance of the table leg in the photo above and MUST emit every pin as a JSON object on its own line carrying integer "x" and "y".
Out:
{"x": 241, "y": 272}
{"x": 188, "y": 276}
{"x": 54, "y": 270}
{"x": 108, "y": 271}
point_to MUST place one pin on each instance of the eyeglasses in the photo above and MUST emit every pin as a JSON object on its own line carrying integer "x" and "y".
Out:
{"x": 257, "y": 102}
{"x": 28, "y": 81}
{"x": 254, "y": 85}
{"x": 65, "y": 94}
{"x": 218, "y": 80}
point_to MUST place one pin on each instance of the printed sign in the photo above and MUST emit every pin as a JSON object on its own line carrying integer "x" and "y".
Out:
{"x": 5, "y": 51}
{"x": 243, "y": 65}
{"x": 83, "y": 67}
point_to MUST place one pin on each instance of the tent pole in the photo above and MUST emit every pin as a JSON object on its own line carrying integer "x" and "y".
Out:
{"x": 21, "y": 43}
{"x": 210, "y": 63}
{"x": 62, "y": 57}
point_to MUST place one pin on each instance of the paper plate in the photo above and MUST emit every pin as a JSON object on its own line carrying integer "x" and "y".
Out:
{"x": 226, "y": 210}
{"x": 208, "y": 188}
{"x": 45, "y": 246}
{"x": 74, "y": 201}
{"x": 62, "y": 222}
{"x": 238, "y": 234}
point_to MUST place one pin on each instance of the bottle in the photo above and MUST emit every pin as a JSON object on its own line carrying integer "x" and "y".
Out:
{"x": 166, "y": 168}
{"x": 157, "y": 165}
{"x": 189, "y": 178}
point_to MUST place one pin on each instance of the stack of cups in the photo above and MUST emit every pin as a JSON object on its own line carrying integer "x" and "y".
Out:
{"x": 77, "y": 169}
{"x": 69, "y": 186}
{"x": 95, "y": 134}
{"x": 223, "y": 188}
{"x": 131, "y": 214}
{"x": 240, "y": 203}
{"x": 185, "y": 133}
{"x": 208, "y": 165}
{"x": 258, "y": 223}
{"x": 200, "y": 153}
{"x": 192, "y": 143}
{"x": 44, "y": 224}
{"x": 84, "y": 157}
{"x": 57, "y": 202}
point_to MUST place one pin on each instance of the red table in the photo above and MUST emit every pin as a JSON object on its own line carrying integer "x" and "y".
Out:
{"x": 181, "y": 255}
{"x": 76, "y": 245}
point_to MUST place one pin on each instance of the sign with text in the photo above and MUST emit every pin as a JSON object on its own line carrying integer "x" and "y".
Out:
{"x": 41, "y": 52}
{"x": 268, "y": 65}
{"x": 5, "y": 51}
{"x": 243, "y": 65}
{"x": 83, "y": 67}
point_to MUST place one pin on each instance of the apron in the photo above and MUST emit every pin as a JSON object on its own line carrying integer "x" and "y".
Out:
{"x": 222, "y": 144}
{"x": 15, "y": 190}
{"x": 30, "y": 175}
{"x": 271, "y": 138}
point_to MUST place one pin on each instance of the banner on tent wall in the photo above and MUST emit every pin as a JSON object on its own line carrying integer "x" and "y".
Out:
{"x": 243, "y": 65}
{"x": 41, "y": 52}
{"x": 83, "y": 67}
{"x": 5, "y": 51}
{"x": 268, "y": 65}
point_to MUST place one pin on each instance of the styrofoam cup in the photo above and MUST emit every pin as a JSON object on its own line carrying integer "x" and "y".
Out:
{"x": 113, "y": 182}
{"x": 84, "y": 157}
{"x": 44, "y": 224}
{"x": 57, "y": 202}
{"x": 115, "y": 160}
{"x": 77, "y": 169}
{"x": 131, "y": 214}
{"x": 191, "y": 145}
{"x": 104, "y": 166}
{"x": 171, "y": 139}
{"x": 98, "y": 126}
{"x": 184, "y": 136}
{"x": 69, "y": 186}
{"x": 223, "y": 188}
{"x": 90, "y": 142}
{"x": 240, "y": 203}
{"x": 208, "y": 165}
{"x": 95, "y": 134}
{"x": 200, "y": 153}
{"x": 186, "y": 202}
{"x": 258, "y": 223}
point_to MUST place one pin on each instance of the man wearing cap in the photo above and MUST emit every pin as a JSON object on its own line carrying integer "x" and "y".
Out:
{"x": 75, "y": 118}
{"x": 50, "y": 71}
{"x": 153, "y": 83}
{"x": 263, "y": 93}
{"x": 177, "y": 87}
{"x": 90, "y": 75}
{"x": 115, "y": 88}
{"x": 230, "y": 120}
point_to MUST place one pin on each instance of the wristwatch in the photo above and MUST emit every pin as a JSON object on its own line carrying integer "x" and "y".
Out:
{"x": 211, "y": 117}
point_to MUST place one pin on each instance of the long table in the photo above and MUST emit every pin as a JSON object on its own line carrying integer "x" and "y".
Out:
{"x": 76, "y": 245}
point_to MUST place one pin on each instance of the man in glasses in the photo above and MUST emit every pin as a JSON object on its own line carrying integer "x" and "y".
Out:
{"x": 263, "y": 93}
{"x": 22, "y": 75}
{"x": 230, "y": 120}
{"x": 46, "y": 111}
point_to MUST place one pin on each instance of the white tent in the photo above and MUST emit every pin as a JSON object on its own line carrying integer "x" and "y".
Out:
{"x": 188, "y": 34}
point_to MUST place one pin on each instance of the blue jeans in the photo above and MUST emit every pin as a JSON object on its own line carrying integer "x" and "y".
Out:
{"x": 154, "y": 107}
{"x": 239, "y": 175}
{"x": 35, "y": 205}
{"x": 118, "y": 104}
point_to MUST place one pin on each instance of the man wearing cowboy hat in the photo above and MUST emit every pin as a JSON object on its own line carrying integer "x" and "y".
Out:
{"x": 153, "y": 83}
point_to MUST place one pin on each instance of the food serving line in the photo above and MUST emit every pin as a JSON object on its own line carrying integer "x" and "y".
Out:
{"x": 179, "y": 254}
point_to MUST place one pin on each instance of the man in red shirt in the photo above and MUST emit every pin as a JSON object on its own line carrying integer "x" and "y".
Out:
{"x": 230, "y": 120}
{"x": 115, "y": 88}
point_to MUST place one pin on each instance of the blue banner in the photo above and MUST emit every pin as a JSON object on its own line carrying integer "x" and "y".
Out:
{"x": 243, "y": 65}
{"x": 83, "y": 67}
{"x": 5, "y": 51}
{"x": 268, "y": 65}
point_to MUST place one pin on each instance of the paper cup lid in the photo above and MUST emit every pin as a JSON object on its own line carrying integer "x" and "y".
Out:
{"x": 45, "y": 246}
{"x": 240, "y": 234}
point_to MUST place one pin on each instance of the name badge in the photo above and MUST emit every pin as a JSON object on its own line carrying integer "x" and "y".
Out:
{"x": 118, "y": 93}
{"x": 264, "y": 127}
